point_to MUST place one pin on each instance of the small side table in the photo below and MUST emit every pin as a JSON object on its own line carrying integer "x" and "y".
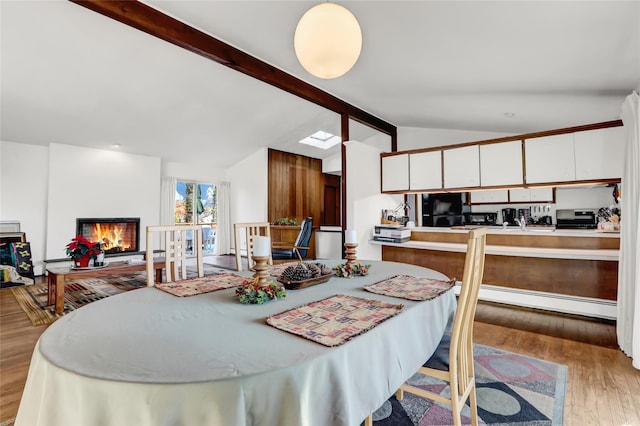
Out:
{"x": 57, "y": 277}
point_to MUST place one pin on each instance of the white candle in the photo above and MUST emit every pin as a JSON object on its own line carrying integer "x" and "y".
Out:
{"x": 261, "y": 246}
{"x": 350, "y": 236}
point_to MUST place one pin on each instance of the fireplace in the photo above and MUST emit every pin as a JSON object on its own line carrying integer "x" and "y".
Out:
{"x": 118, "y": 235}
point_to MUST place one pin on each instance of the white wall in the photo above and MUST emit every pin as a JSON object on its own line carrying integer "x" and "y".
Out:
{"x": 592, "y": 197}
{"x": 364, "y": 200}
{"x": 332, "y": 164}
{"x": 415, "y": 137}
{"x": 23, "y": 193}
{"x": 86, "y": 182}
{"x": 249, "y": 186}
{"x": 190, "y": 172}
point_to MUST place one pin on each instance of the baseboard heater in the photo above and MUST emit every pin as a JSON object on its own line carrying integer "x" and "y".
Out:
{"x": 586, "y": 306}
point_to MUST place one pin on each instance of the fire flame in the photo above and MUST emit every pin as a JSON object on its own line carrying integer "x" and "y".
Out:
{"x": 113, "y": 236}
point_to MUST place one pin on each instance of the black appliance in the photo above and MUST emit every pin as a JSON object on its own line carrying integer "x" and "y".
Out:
{"x": 509, "y": 216}
{"x": 480, "y": 218}
{"x": 442, "y": 210}
{"x": 526, "y": 214}
{"x": 576, "y": 219}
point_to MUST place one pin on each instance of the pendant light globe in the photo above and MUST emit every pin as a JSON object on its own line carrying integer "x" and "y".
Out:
{"x": 328, "y": 40}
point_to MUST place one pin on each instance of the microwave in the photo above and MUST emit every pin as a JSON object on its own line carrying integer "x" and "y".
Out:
{"x": 480, "y": 218}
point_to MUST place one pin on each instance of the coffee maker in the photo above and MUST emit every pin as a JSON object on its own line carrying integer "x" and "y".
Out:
{"x": 509, "y": 216}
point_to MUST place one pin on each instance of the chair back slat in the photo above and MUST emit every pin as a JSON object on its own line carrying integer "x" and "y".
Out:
{"x": 461, "y": 350}
{"x": 252, "y": 230}
{"x": 173, "y": 241}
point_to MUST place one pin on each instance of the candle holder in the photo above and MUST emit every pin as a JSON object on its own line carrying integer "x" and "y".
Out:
{"x": 262, "y": 270}
{"x": 350, "y": 251}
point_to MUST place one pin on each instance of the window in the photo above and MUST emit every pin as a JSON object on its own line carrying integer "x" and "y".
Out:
{"x": 196, "y": 204}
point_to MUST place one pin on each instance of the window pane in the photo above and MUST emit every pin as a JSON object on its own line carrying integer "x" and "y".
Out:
{"x": 206, "y": 196}
{"x": 184, "y": 202}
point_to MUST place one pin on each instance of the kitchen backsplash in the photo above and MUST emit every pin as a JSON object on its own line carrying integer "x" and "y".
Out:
{"x": 592, "y": 197}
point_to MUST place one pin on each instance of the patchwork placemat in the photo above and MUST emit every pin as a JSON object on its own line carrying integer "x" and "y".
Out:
{"x": 335, "y": 320}
{"x": 411, "y": 288}
{"x": 194, "y": 286}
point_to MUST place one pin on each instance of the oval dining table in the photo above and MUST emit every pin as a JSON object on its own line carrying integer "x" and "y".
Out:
{"x": 146, "y": 357}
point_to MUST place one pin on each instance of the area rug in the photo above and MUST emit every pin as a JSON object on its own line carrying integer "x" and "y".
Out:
{"x": 79, "y": 292}
{"x": 512, "y": 390}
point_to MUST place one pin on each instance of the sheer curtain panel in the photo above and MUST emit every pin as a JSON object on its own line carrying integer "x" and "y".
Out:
{"x": 168, "y": 200}
{"x": 223, "y": 232}
{"x": 628, "y": 322}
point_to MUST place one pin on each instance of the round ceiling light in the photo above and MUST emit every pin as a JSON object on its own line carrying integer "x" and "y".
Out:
{"x": 328, "y": 40}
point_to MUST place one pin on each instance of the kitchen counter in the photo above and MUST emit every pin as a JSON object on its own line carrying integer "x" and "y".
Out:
{"x": 566, "y": 270}
{"x": 530, "y": 230}
{"x": 540, "y": 252}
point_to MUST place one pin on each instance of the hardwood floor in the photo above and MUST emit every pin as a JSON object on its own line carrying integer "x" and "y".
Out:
{"x": 603, "y": 388}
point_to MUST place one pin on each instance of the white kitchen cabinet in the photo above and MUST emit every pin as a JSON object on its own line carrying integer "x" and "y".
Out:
{"x": 425, "y": 170}
{"x": 520, "y": 195}
{"x": 395, "y": 172}
{"x": 501, "y": 164}
{"x": 531, "y": 195}
{"x": 599, "y": 153}
{"x": 493, "y": 196}
{"x": 541, "y": 195}
{"x": 550, "y": 159}
{"x": 462, "y": 167}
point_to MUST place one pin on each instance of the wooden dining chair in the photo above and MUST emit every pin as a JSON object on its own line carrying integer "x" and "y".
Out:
{"x": 174, "y": 238}
{"x": 452, "y": 361}
{"x": 252, "y": 230}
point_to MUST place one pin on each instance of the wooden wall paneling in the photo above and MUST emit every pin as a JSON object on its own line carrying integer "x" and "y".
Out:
{"x": 296, "y": 188}
{"x": 585, "y": 278}
{"x": 529, "y": 240}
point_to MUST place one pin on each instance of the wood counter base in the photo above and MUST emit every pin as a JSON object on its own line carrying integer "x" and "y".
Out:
{"x": 584, "y": 278}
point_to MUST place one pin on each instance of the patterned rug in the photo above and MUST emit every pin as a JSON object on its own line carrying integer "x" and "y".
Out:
{"x": 79, "y": 292}
{"x": 511, "y": 390}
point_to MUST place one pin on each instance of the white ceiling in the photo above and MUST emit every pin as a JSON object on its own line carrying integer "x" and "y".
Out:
{"x": 70, "y": 75}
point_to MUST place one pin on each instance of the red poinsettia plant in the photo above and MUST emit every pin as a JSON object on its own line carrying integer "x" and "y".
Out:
{"x": 80, "y": 246}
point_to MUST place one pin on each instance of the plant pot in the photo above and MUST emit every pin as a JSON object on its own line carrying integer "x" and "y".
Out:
{"x": 83, "y": 261}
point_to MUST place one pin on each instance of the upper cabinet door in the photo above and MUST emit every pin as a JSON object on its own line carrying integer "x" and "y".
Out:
{"x": 501, "y": 164}
{"x": 425, "y": 170}
{"x": 492, "y": 196}
{"x": 550, "y": 159}
{"x": 395, "y": 173}
{"x": 462, "y": 167}
{"x": 599, "y": 153}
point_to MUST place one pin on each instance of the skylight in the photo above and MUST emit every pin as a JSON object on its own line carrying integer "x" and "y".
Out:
{"x": 321, "y": 139}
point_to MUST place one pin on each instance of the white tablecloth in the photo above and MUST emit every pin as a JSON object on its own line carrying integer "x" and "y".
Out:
{"x": 146, "y": 357}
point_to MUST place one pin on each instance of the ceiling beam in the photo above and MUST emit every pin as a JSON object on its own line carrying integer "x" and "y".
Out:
{"x": 151, "y": 21}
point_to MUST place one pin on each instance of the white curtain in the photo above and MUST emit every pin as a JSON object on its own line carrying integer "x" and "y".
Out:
{"x": 223, "y": 229}
{"x": 628, "y": 321}
{"x": 168, "y": 200}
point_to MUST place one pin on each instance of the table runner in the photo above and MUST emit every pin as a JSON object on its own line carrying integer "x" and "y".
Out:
{"x": 334, "y": 320}
{"x": 411, "y": 288}
{"x": 193, "y": 286}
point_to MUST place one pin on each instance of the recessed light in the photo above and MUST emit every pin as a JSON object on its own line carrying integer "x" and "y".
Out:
{"x": 509, "y": 114}
{"x": 115, "y": 145}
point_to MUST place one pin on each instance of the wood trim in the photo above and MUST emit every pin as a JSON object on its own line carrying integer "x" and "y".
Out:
{"x": 584, "y": 127}
{"x": 540, "y": 241}
{"x": 151, "y": 21}
{"x": 344, "y": 124}
{"x": 584, "y": 278}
